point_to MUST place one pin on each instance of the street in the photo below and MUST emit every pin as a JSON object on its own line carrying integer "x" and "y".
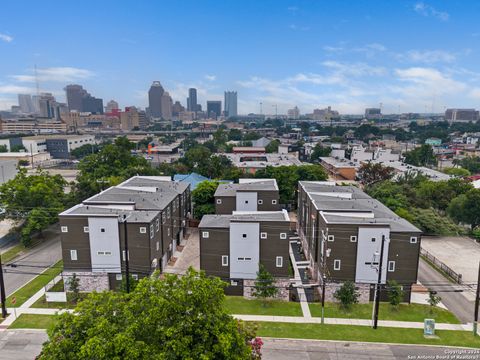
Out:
{"x": 21, "y": 344}
{"x": 455, "y": 302}
{"x": 31, "y": 264}
{"x": 285, "y": 349}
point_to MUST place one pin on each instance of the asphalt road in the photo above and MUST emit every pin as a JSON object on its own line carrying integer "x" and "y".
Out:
{"x": 32, "y": 263}
{"x": 21, "y": 344}
{"x": 283, "y": 349}
{"x": 455, "y": 302}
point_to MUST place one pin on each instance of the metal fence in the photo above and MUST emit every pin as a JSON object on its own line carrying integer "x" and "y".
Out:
{"x": 440, "y": 265}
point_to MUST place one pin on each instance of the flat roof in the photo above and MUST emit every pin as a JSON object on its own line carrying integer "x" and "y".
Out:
{"x": 231, "y": 189}
{"x": 133, "y": 216}
{"x": 223, "y": 221}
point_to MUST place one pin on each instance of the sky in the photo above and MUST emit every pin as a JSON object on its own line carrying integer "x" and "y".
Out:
{"x": 408, "y": 56}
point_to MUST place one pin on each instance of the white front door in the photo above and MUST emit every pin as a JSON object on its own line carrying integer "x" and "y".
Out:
{"x": 246, "y": 201}
{"x": 244, "y": 250}
{"x": 368, "y": 254}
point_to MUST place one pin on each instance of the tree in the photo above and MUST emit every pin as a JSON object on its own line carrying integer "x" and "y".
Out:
{"x": 395, "y": 293}
{"x": 347, "y": 295}
{"x": 371, "y": 173}
{"x": 422, "y": 156}
{"x": 74, "y": 287}
{"x": 37, "y": 198}
{"x": 3, "y": 148}
{"x": 272, "y": 147}
{"x": 320, "y": 151}
{"x": 178, "y": 317}
{"x": 460, "y": 172}
{"x": 203, "y": 198}
{"x": 84, "y": 150}
{"x": 264, "y": 285}
{"x": 466, "y": 208}
{"x": 132, "y": 283}
{"x": 113, "y": 164}
{"x": 433, "y": 300}
{"x": 471, "y": 163}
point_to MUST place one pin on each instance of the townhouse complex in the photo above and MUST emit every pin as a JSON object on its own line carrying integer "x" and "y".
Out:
{"x": 248, "y": 229}
{"x": 341, "y": 230}
{"x": 148, "y": 213}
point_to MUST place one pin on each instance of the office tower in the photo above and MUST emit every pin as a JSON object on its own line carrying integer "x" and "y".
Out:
{"x": 452, "y": 115}
{"x": 78, "y": 99}
{"x": 293, "y": 113}
{"x": 35, "y": 102}
{"x": 25, "y": 103}
{"x": 166, "y": 106}
{"x": 155, "y": 100}
{"x": 111, "y": 106}
{"x": 46, "y": 104}
{"x": 75, "y": 94}
{"x": 373, "y": 113}
{"x": 192, "y": 100}
{"x": 177, "y": 108}
{"x": 214, "y": 109}
{"x": 230, "y": 104}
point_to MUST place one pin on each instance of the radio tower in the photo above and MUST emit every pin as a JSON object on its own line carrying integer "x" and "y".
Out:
{"x": 36, "y": 81}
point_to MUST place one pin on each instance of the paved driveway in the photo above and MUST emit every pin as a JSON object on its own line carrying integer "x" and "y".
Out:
{"x": 189, "y": 256}
{"x": 21, "y": 344}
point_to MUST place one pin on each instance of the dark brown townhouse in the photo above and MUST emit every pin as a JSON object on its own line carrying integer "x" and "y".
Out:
{"x": 155, "y": 210}
{"x": 233, "y": 246}
{"x": 341, "y": 230}
{"x": 247, "y": 195}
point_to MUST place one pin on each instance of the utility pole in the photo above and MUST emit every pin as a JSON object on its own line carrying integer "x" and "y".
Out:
{"x": 477, "y": 300}
{"x": 324, "y": 277}
{"x": 127, "y": 269}
{"x": 377, "y": 292}
{"x": 2, "y": 291}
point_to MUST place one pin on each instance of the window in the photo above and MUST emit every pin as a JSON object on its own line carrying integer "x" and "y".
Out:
{"x": 85, "y": 229}
{"x": 157, "y": 224}
{"x": 413, "y": 240}
{"x": 353, "y": 238}
{"x": 152, "y": 232}
{"x": 135, "y": 276}
{"x": 244, "y": 235}
{"x": 336, "y": 264}
{"x": 118, "y": 277}
{"x": 260, "y": 201}
{"x": 330, "y": 237}
{"x": 64, "y": 229}
{"x": 274, "y": 202}
{"x": 279, "y": 261}
{"x": 205, "y": 234}
{"x": 263, "y": 235}
{"x": 391, "y": 266}
{"x": 219, "y": 201}
{"x": 102, "y": 229}
{"x": 73, "y": 255}
{"x": 158, "y": 245}
{"x": 108, "y": 253}
{"x": 246, "y": 201}
{"x": 163, "y": 219}
{"x": 168, "y": 232}
{"x": 224, "y": 260}
{"x": 143, "y": 230}
{"x": 123, "y": 255}
{"x": 283, "y": 235}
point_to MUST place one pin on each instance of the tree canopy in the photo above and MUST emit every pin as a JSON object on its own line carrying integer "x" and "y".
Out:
{"x": 422, "y": 156}
{"x": 178, "y": 317}
{"x": 203, "y": 197}
{"x": 37, "y": 198}
{"x": 113, "y": 164}
{"x": 371, "y": 173}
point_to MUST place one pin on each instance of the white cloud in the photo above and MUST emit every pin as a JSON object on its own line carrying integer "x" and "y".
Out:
{"x": 55, "y": 74}
{"x": 427, "y": 56}
{"x": 292, "y": 8}
{"x": 7, "y": 103}
{"x": 210, "y": 77}
{"x": 428, "y": 10}
{"x": 354, "y": 69}
{"x": 15, "y": 89}
{"x": 6, "y": 38}
{"x": 475, "y": 93}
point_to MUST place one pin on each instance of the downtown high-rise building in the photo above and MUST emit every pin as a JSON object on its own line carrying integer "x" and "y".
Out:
{"x": 26, "y": 104}
{"x": 47, "y": 105}
{"x": 166, "y": 106}
{"x": 230, "y": 104}
{"x": 192, "y": 100}
{"x": 214, "y": 109}
{"x": 111, "y": 106}
{"x": 78, "y": 99}
{"x": 155, "y": 100}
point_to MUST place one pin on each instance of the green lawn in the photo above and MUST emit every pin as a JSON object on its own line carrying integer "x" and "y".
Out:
{"x": 31, "y": 321}
{"x": 26, "y": 292}
{"x": 240, "y": 305}
{"x": 405, "y": 312}
{"x": 365, "y": 333}
{"x": 42, "y": 303}
{"x": 12, "y": 253}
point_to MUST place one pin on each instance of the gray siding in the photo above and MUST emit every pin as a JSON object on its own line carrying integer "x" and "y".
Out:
{"x": 211, "y": 251}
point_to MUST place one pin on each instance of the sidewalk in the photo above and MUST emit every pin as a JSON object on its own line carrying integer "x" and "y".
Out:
{"x": 356, "y": 322}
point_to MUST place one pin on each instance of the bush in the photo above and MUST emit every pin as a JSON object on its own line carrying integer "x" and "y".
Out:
{"x": 347, "y": 295}
{"x": 395, "y": 293}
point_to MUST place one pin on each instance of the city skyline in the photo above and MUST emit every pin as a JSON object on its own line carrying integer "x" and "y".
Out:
{"x": 411, "y": 56}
